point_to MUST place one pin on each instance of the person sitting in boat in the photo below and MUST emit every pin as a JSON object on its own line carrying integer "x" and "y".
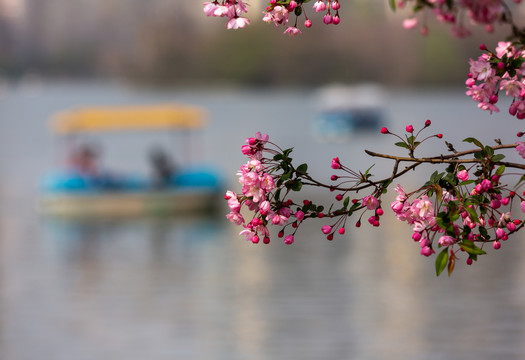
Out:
{"x": 84, "y": 161}
{"x": 163, "y": 168}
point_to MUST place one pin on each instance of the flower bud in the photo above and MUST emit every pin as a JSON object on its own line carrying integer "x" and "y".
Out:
{"x": 335, "y": 163}
{"x": 289, "y": 240}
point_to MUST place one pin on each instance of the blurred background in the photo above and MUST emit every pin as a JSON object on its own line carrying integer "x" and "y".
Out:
{"x": 187, "y": 286}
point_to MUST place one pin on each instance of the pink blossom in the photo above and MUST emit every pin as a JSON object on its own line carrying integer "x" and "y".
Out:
{"x": 397, "y": 206}
{"x": 237, "y": 23}
{"x": 209, "y": 8}
{"x": 463, "y": 175}
{"x": 235, "y": 218}
{"x": 278, "y": 15}
{"x": 292, "y": 31}
{"x": 319, "y": 6}
{"x": 267, "y": 183}
{"x": 410, "y": 23}
{"x": 481, "y": 69}
{"x": 520, "y": 148}
{"x": 370, "y": 202}
{"x": 401, "y": 193}
{"x": 264, "y": 207}
{"x": 263, "y": 138}
{"x": 289, "y": 240}
{"x": 299, "y": 215}
{"x": 221, "y": 10}
{"x": 446, "y": 240}
{"x": 512, "y": 87}
{"x": 504, "y": 48}
{"x": 248, "y": 233}
{"x": 423, "y": 208}
{"x": 326, "y": 229}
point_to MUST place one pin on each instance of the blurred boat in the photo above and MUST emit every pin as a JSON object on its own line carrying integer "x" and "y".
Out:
{"x": 346, "y": 111}
{"x": 77, "y": 193}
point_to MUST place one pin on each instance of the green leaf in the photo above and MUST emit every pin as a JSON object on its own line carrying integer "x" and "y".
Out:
{"x": 278, "y": 157}
{"x": 402, "y": 144}
{"x": 500, "y": 170}
{"x": 298, "y": 11}
{"x": 441, "y": 261}
{"x": 346, "y": 202}
{"x": 474, "y": 141}
{"x": 498, "y": 157}
{"x": 303, "y": 168}
{"x": 479, "y": 155}
{"x": 470, "y": 248}
{"x": 286, "y": 175}
{"x": 297, "y": 185}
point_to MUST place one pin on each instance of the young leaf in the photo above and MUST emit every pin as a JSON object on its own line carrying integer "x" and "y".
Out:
{"x": 470, "y": 248}
{"x": 475, "y": 141}
{"x": 498, "y": 157}
{"x": 441, "y": 261}
{"x": 303, "y": 168}
{"x": 402, "y": 144}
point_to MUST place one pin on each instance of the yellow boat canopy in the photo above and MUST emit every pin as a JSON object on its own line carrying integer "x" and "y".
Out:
{"x": 153, "y": 117}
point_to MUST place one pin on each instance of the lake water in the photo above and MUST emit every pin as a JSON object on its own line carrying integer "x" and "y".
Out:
{"x": 191, "y": 288}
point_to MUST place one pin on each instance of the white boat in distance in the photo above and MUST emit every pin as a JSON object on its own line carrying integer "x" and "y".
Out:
{"x": 345, "y": 111}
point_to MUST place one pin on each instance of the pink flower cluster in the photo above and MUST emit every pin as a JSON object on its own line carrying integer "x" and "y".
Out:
{"x": 257, "y": 186}
{"x": 501, "y": 70}
{"x": 278, "y": 12}
{"x": 484, "y": 12}
{"x": 420, "y": 214}
{"x": 231, "y": 9}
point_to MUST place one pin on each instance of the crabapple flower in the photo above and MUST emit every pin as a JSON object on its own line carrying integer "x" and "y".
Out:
{"x": 319, "y": 6}
{"x": 446, "y": 240}
{"x": 463, "y": 175}
{"x": 292, "y": 31}
{"x": 410, "y": 23}
{"x": 237, "y": 23}
{"x": 520, "y": 148}
{"x": 235, "y": 218}
{"x": 370, "y": 202}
